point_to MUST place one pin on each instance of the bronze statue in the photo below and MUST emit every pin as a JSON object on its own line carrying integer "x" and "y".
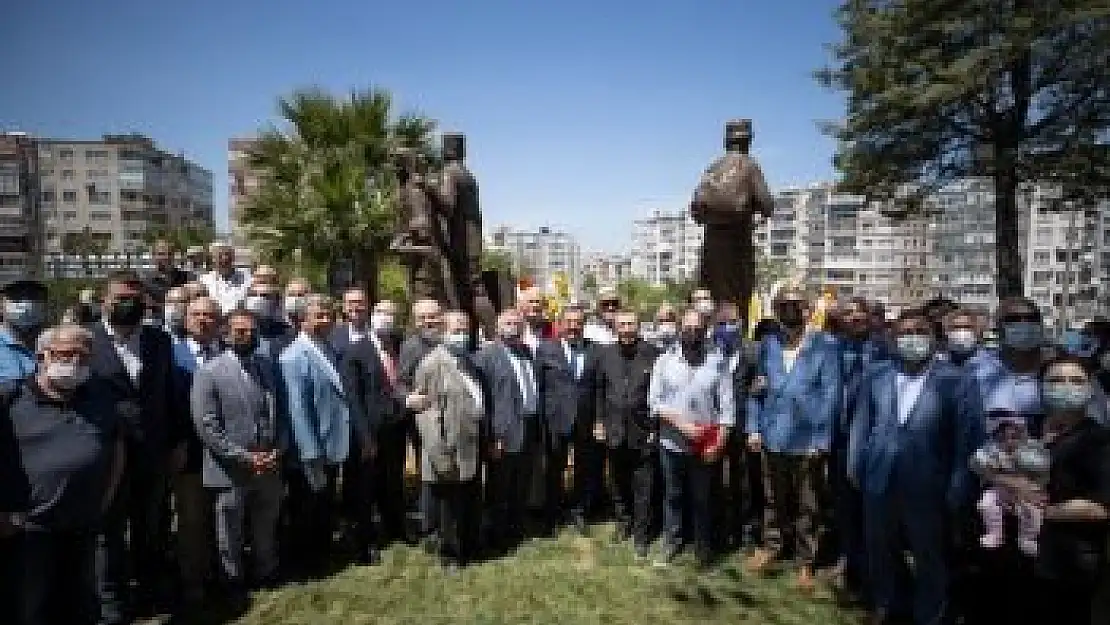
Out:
{"x": 456, "y": 194}
{"x": 730, "y": 199}
{"x": 422, "y": 238}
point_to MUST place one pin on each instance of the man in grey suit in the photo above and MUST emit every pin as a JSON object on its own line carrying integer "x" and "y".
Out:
{"x": 237, "y": 409}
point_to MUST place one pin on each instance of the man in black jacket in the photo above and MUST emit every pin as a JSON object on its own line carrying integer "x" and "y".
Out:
{"x": 135, "y": 361}
{"x": 628, "y": 429}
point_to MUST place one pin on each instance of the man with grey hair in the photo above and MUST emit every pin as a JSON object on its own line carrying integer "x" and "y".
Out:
{"x": 226, "y": 283}
{"x": 428, "y": 318}
{"x": 68, "y": 458}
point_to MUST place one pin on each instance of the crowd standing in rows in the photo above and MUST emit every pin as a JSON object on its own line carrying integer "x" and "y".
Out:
{"x": 176, "y": 436}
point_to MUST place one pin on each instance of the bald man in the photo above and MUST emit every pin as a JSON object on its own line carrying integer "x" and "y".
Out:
{"x": 536, "y": 325}
{"x": 427, "y": 316}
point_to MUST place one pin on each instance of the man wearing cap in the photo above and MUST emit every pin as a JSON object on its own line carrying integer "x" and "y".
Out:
{"x": 22, "y": 317}
{"x": 225, "y": 283}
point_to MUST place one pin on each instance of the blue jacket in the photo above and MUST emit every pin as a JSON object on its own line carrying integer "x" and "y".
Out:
{"x": 929, "y": 453}
{"x": 16, "y": 361}
{"x": 797, "y": 411}
{"x": 319, "y": 414}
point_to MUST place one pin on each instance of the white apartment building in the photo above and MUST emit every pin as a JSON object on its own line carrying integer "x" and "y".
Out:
{"x": 607, "y": 270}
{"x": 540, "y": 254}
{"x": 665, "y": 248}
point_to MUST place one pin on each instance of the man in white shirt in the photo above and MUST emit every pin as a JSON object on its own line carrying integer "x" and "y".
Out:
{"x": 225, "y": 283}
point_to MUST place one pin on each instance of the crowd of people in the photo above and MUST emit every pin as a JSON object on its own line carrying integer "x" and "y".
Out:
{"x": 176, "y": 435}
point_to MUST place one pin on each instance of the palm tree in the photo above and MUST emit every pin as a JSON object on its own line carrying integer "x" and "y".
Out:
{"x": 328, "y": 183}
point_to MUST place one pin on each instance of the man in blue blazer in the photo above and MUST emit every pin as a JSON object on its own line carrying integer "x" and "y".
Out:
{"x": 791, "y": 420}
{"x": 908, "y": 454}
{"x": 320, "y": 420}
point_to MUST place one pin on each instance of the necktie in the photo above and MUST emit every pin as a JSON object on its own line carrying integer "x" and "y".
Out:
{"x": 389, "y": 364}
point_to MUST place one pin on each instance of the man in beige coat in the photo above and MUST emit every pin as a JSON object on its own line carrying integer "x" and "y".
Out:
{"x": 450, "y": 424}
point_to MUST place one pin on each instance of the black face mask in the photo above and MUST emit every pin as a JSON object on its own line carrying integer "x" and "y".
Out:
{"x": 790, "y": 315}
{"x": 244, "y": 348}
{"x": 127, "y": 311}
{"x": 87, "y": 313}
{"x": 692, "y": 339}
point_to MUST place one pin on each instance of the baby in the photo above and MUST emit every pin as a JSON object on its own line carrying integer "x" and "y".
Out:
{"x": 1011, "y": 451}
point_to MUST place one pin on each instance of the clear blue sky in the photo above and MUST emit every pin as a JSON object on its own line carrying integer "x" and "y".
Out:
{"x": 579, "y": 114}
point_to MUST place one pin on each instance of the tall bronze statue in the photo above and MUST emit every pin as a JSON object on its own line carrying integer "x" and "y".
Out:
{"x": 456, "y": 194}
{"x": 423, "y": 234}
{"x": 730, "y": 199}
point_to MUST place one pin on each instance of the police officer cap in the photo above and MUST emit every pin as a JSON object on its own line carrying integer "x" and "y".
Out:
{"x": 738, "y": 129}
{"x": 24, "y": 289}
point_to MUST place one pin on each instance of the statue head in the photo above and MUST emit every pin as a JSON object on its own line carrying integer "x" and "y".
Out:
{"x": 453, "y": 146}
{"x": 738, "y": 135}
{"x": 408, "y": 161}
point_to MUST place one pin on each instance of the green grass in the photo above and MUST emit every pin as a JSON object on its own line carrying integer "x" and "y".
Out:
{"x": 571, "y": 580}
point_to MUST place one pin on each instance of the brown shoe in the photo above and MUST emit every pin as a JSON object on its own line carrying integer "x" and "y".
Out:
{"x": 758, "y": 560}
{"x": 805, "y": 581}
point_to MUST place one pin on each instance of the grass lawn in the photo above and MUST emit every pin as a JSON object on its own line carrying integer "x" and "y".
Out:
{"x": 571, "y": 580}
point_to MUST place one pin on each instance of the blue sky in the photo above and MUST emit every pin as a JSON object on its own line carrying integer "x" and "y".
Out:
{"x": 583, "y": 115}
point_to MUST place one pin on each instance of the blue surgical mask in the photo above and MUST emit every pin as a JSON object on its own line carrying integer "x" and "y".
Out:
{"x": 24, "y": 314}
{"x": 1023, "y": 335}
{"x": 726, "y": 336}
{"x": 914, "y": 347}
{"x": 1065, "y": 396}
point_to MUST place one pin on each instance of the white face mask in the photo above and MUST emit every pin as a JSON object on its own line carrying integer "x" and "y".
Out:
{"x": 67, "y": 376}
{"x": 704, "y": 307}
{"x": 295, "y": 304}
{"x": 260, "y": 306}
{"x": 962, "y": 340}
{"x": 24, "y": 314}
{"x": 666, "y": 330}
{"x": 173, "y": 314}
{"x": 381, "y": 321}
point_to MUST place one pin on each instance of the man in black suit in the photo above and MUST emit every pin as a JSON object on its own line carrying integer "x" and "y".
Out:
{"x": 370, "y": 370}
{"x": 136, "y": 363}
{"x": 515, "y": 433}
{"x": 356, "y": 321}
{"x": 567, "y": 367}
{"x": 629, "y": 430}
{"x": 164, "y": 275}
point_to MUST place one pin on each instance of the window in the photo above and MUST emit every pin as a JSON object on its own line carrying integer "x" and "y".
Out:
{"x": 67, "y": 174}
{"x": 96, "y": 156}
{"x": 65, "y": 154}
{"x": 47, "y": 196}
{"x": 9, "y": 201}
{"x": 69, "y": 196}
{"x": 100, "y": 216}
{"x": 1041, "y": 256}
{"x": 46, "y": 172}
{"x": 130, "y": 196}
{"x": 97, "y": 173}
{"x": 69, "y": 215}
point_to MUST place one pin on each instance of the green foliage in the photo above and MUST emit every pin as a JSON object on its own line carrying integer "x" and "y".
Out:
{"x": 590, "y": 287}
{"x": 496, "y": 260}
{"x": 62, "y": 293}
{"x": 769, "y": 270}
{"x": 328, "y": 179}
{"x": 181, "y": 238}
{"x": 1018, "y": 90}
{"x": 644, "y": 298}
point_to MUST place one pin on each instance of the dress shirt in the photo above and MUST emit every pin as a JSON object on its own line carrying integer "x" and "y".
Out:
{"x": 909, "y": 389}
{"x": 701, "y": 394}
{"x": 229, "y": 292}
{"x": 526, "y": 378}
{"x": 576, "y": 358}
{"x": 128, "y": 349}
{"x": 357, "y": 334}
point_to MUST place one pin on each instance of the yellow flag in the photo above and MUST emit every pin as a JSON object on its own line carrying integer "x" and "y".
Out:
{"x": 755, "y": 313}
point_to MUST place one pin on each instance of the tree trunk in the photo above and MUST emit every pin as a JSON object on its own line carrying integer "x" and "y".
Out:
{"x": 1008, "y": 271}
{"x": 367, "y": 263}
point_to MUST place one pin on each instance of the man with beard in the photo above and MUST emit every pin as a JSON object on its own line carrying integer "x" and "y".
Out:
{"x": 628, "y": 429}
{"x": 800, "y": 382}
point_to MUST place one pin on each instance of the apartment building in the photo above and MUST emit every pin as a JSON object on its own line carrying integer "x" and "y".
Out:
{"x": 241, "y": 181}
{"x": 607, "y": 270}
{"x": 102, "y": 197}
{"x": 665, "y": 248}
{"x": 539, "y": 254}
{"x": 20, "y": 221}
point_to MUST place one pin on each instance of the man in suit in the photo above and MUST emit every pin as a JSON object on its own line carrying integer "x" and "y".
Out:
{"x": 451, "y": 425}
{"x": 536, "y": 325}
{"x": 628, "y": 429}
{"x": 274, "y": 332}
{"x": 320, "y": 421}
{"x": 908, "y": 454}
{"x": 194, "y": 509}
{"x": 376, "y": 478}
{"x": 428, "y": 328}
{"x": 567, "y": 369}
{"x": 515, "y": 429}
{"x": 136, "y": 363}
{"x": 164, "y": 275}
{"x": 791, "y": 422}
{"x": 356, "y": 321}
{"x": 237, "y": 405}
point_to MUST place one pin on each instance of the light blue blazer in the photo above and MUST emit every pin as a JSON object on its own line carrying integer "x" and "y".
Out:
{"x": 319, "y": 412}
{"x": 799, "y": 409}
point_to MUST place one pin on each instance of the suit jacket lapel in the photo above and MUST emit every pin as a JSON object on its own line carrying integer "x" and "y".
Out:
{"x": 923, "y": 405}
{"x": 112, "y": 366}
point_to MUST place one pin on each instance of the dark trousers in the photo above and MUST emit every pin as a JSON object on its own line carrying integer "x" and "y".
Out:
{"x": 848, "y": 523}
{"x": 458, "y": 508}
{"x": 360, "y": 494}
{"x": 633, "y": 473}
{"x": 734, "y": 487}
{"x": 795, "y": 490}
{"x": 557, "y": 500}
{"x": 389, "y": 479}
{"x": 589, "y": 471}
{"x": 687, "y": 487}
{"x": 131, "y": 544}
{"x": 49, "y": 578}
{"x": 898, "y": 521}
{"x": 311, "y": 518}
{"x": 507, "y": 484}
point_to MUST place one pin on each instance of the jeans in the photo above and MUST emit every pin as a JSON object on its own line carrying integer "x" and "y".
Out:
{"x": 687, "y": 486}
{"x": 51, "y": 576}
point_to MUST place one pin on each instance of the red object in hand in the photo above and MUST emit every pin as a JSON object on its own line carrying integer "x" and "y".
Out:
{"x": 708, "y": 437}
